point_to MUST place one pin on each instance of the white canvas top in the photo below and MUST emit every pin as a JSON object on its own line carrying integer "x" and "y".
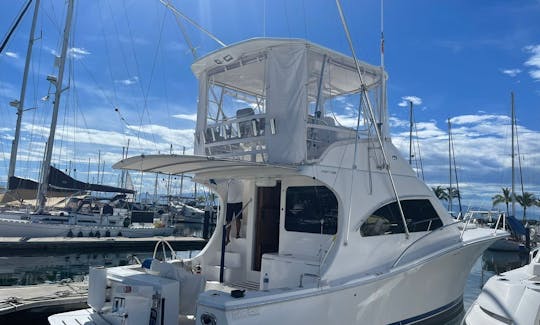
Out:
{"x": 178, "y": 164}
{"x": 254, "y": 75}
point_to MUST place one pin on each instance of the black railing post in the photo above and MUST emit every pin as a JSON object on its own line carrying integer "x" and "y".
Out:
{"x": 222, "y": 263}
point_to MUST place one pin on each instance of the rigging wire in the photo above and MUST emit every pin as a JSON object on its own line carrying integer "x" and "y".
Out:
{"x": 287, "y": 18}
{"x": 455, "y": 174}
{"x": 14, "y": 25}
{"x": 107, "y": 55}
{"x": 419, "y": 160}
{"x": 139, "y": 81}
{"x": 305, "y": 20}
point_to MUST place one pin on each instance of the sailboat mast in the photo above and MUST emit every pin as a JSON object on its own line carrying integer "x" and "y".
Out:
{"x": 410, "y": 131}
{"x": 513, "y": 117}
{"x": 450, "y": 165}
{"x": 20, "y": 103}
{"x": 44, "y": 183}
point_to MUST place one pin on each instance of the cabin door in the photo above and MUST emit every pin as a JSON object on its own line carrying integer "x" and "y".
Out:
{"x": 267, "y": 223}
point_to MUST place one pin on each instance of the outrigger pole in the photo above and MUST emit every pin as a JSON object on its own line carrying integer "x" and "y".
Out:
{"x": 374, "y": 121}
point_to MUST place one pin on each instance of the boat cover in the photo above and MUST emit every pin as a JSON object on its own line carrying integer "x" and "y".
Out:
{"x": 180, "y": 164}
{"x": 516, "y": 226}
{"x": 59, "y": 180}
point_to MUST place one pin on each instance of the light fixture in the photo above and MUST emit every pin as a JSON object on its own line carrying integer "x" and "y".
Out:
{"x": 14, "y": 103}
{"x": 51, "y": 79}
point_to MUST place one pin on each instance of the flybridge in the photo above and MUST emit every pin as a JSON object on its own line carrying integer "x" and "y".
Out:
{"x": 279, "y": 101}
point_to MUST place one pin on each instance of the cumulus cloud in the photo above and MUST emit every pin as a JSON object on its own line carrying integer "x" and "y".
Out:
{"x": 482, "y": 151}
{"x": 12, "y": 55}
{"x": 476, "y": 119}
{"x": 405, "y": 101}
{"x": 533, "y": 61}
{"x": 189, "y": 117}
{"x": 511, "y": 72}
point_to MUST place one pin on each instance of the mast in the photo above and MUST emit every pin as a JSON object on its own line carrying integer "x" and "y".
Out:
{"x": 410, "y": 131}
{"x": 450, "y": 165}
{"x": 44, "y": 183}
{"x": 20, "y": 103}
{"x": 513, "y": 196}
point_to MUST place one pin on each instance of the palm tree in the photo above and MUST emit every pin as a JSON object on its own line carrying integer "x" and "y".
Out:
{"x": 526, "y": 200}
{"x": 440, "y": 193}
{"x": 505, "y": 198}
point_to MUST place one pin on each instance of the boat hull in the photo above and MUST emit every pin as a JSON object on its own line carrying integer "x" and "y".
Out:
{"x": 23, "y": 228}
{"x": 422, "y": 293}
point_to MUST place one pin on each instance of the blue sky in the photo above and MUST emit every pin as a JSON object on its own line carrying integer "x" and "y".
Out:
{"x": 454, "y": 59}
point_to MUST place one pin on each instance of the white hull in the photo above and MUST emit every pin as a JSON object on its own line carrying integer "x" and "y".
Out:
{"x": 368, "y": 300}
{"x": 23, "y": 228}
{"x": 512, "y": 297}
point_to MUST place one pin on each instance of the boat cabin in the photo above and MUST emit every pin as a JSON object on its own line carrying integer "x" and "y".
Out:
{"x": 287, "y": 137}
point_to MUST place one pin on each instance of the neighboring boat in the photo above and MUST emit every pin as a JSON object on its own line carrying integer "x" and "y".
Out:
{"x": 183, "y": 212}
{"x": 29, "y": 229}
{"x": 336, "y": 227}
{"x": 87, "y": 217}
{"x": 516, "y": 242}
{"x": 512, "y": 297}
{"x": 53, "y": 182}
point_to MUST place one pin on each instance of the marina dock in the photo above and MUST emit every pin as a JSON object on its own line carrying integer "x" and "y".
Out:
{"x": 59, "y": 295}
{"x": 18, "y": 245}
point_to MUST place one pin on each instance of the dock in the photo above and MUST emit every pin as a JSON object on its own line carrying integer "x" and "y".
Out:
{"x": 12, "y": 246}
{"x": 67, "y": 295}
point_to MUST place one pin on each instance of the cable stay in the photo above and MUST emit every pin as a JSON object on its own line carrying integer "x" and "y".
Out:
{"x": 14, "y": 25}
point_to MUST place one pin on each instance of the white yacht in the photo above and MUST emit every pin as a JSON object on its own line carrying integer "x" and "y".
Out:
{"x": 512, "y": 297}
{"x": 336, "y": 228}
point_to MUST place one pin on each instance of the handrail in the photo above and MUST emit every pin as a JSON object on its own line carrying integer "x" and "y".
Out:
{"x": 163, "y": 242}
{"x": 420, "y": 238}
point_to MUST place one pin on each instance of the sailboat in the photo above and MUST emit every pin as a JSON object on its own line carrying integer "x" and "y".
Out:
{"x": 518, "y": 241}
{"x": 335, "y": 228}
{"x": 37, "y": 224}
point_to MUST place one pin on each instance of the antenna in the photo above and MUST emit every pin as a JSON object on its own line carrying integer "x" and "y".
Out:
{"x": 382, "y": 34}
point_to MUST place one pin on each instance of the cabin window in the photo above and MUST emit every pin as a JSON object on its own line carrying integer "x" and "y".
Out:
{"x": 311, "y": 209}
{"x": 419, "y": 214}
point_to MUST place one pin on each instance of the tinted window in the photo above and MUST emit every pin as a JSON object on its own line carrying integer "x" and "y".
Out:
{"x": 419, "y": 214}
{"x": 311, "y": 209}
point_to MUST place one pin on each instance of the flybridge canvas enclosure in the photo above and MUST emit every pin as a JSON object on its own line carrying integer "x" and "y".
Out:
{"x": 280, "y": 101}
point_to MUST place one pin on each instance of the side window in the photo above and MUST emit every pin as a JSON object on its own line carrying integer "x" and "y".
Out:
{"x": 419, "y": 214}
{"x": 311, "y": 209}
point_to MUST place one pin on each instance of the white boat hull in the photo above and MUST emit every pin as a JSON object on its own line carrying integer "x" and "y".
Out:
{"x": 512, "y": 297}
{"x": 400, "y": 297}
{"x": 403, "y": 296}
{"x": 23, "y": 228}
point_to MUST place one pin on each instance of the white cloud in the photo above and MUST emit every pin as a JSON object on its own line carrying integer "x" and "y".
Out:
{"x": 78, "y": 52}
{"x": 189, "y": 117}
{"x": 511, "y": 72}
{"x": 12, "y": 55}
{"x": 405, "y": 101}
{"x": 128, "y": 82}
{"x": 476, "y": 119}
{"x": 534, "y": 61}
{"x": 482, "y": 149}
